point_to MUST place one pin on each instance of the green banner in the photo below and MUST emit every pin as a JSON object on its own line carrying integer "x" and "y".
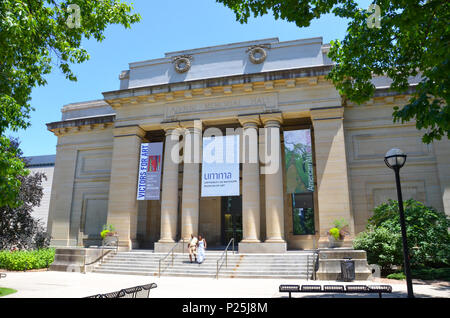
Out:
{"x": 298, "y": 161}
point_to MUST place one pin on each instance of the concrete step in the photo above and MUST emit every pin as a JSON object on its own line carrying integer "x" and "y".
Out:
{"x": 210, "y": 275}
{"x": 239, "y": 265}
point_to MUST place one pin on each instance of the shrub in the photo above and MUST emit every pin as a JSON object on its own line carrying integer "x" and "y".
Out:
{"x": 431, "y": 273}
{"x": 26, "y": 260}
{"x": 426, "y": 230}
{"x": 383, "y": 247}
{"x": 399, "y": 276}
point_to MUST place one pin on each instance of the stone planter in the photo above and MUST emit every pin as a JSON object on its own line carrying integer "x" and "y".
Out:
{"x": 335, "y": 243}
{"x": 111, "y": 239}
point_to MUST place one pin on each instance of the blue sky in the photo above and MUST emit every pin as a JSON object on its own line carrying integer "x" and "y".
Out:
{"x": 166, "y": 26}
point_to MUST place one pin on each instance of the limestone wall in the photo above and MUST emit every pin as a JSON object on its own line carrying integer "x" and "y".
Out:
{"x": 41, "y": 212}
{"x": 79, "y": 198}
{"x": 369, "y": 134}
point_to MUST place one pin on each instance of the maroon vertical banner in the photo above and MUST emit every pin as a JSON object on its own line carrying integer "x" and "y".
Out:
{"x": 149, "y": 174}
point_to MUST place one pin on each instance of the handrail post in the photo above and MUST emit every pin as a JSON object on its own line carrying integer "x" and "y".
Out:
{"x": 233, "y": 245}
{"x": 226, "y": 258}
{"x": 84, "y": 261}
{"x": 307, "y": 267}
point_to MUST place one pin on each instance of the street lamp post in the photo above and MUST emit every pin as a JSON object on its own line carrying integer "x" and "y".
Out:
{"x": 395, "y": 159}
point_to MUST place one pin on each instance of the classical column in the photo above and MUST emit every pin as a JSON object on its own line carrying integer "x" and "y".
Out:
{"x": 331, "y": 169}
{"x": 273, "y": 179}
{"x": 62, "y": 194}
{"x": 169, "y": 195}
{"x": 191, "y": 178}
{"x": 122, "y": 203}
{"x": 250, "y": 180}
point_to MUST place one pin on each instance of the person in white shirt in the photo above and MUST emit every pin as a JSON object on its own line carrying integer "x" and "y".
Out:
{"x": 192, "y": 246}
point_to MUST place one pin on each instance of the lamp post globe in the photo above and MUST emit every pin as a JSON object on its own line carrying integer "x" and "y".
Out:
{"x": 395, "y": 159}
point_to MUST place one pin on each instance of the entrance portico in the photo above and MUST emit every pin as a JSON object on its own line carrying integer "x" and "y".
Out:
{"x": 260, "y": 105}
{"x": 328, "y": 165}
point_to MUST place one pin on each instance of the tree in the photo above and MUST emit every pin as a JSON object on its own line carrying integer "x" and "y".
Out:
{"x": 35, "y": 35}
{"x": 383, "y": 247}
{"x": 18, "y": 228}
{"x": 413, "y": 40}
{"x": 426, "y": 230}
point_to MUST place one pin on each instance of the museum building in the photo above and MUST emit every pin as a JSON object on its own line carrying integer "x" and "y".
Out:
{"x": 114, "y": 159}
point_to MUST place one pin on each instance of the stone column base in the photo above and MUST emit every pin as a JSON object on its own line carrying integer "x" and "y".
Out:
{"x": 262, "y": 248}
{"x": 165, "y": 247}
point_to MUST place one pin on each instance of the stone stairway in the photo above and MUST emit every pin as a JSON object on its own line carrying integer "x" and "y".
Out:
{"x": 288, "y": 265}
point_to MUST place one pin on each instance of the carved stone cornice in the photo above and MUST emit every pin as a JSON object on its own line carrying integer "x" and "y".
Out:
{"x": 204, "y": 87}
{"x": 60, "y": 128}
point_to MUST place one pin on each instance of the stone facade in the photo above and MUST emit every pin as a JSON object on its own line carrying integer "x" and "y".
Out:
{"x": 96, "y": 166}
{"x": 46, "y": 165}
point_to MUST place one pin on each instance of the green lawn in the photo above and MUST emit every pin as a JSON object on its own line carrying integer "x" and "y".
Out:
{"x": 6, "y": 291}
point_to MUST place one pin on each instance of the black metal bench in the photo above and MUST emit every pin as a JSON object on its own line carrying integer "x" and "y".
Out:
{"x": 142, "y": 291}
{"x": 364, "y": 289}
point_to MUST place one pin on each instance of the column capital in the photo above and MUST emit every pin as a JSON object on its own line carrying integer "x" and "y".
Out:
{"x": 170, "y": 127}
{"x": 132, "y": 130}
{"x": 195, "y": 126}
{"x": 249, "y": 121}
{"x": 327, "y": 113}
{"x": 272, "y": 119}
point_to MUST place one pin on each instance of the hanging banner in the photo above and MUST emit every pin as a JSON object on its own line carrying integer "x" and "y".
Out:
{"x": 149, "y": 178}
{"x": 220, "y": 166}
{"x": 298, "y": 161}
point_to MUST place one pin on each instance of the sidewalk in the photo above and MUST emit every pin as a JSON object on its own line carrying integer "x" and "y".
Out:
{"x": 49, "y": 284}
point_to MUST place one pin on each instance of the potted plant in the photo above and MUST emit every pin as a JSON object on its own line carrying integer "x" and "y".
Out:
{"x": 337, "y": 233}
{"x": 108, "y": 234}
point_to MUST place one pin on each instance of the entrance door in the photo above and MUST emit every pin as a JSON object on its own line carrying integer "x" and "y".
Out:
{"x": 231, "y": 219}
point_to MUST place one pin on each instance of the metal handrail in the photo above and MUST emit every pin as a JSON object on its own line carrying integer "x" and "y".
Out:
{"x": 97, "y": 260}
{"x": 315, "y": 256}
{"x": 225, "y": 252}
{"x": 307, "y": 266}
{"x": 171, "y": 252}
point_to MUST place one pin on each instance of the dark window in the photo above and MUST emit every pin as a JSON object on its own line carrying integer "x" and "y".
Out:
{"x": 303, "y": 213}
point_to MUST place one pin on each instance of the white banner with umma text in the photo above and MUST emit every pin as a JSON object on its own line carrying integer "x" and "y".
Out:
{"x": 220, "y": 166}
{"x": 149, "y": 178}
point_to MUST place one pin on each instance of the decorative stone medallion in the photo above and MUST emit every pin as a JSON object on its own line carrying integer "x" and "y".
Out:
{"x": 257, "y": 54}
{"x": 182, "y": 63}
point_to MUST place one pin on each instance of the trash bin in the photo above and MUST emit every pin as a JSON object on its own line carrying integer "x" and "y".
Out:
{"x": 348, "y": 270}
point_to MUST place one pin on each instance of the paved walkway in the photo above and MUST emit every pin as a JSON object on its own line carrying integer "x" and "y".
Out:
{"x": 49, "y": 284}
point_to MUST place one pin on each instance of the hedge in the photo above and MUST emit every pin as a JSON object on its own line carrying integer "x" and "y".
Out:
{"x": 26, "y": 260}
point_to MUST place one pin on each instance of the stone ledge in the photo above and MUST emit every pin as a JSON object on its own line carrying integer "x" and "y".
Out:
{"x": 330, "y": 263}
{"x": 251, "y": 248}
{"x": 161, "y": 247}
{"x": 73, "y": 259}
